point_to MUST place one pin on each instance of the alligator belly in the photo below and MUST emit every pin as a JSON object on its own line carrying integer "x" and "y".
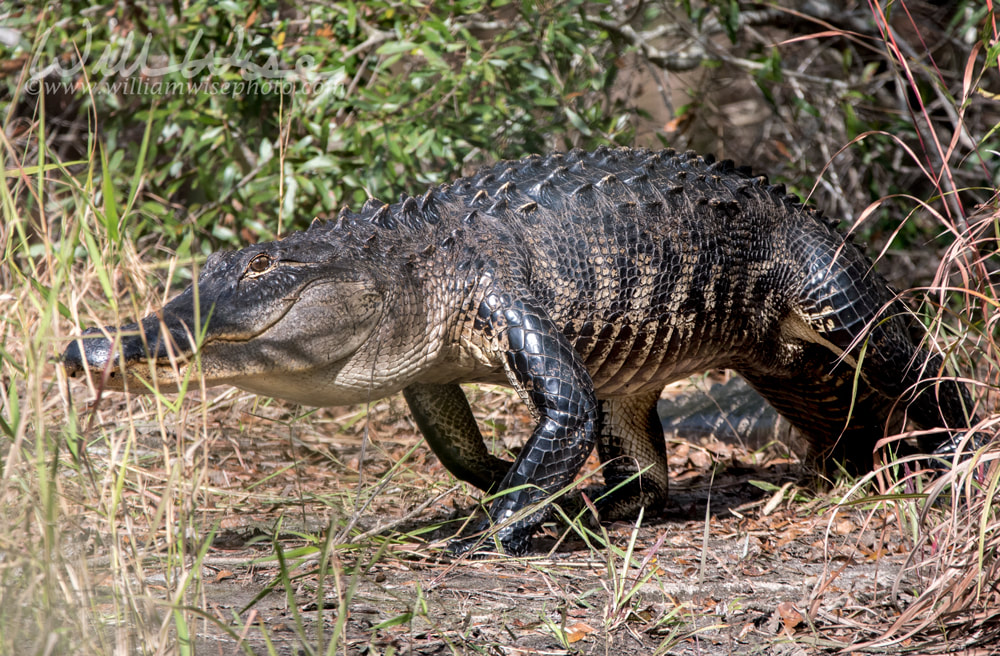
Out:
{"x": 624, "y": 359}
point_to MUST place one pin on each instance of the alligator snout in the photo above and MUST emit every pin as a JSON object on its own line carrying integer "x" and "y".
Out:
{"x": 92, "y": 348}
{"x": 95, "y": 351}
{"x": 109, "y": 352}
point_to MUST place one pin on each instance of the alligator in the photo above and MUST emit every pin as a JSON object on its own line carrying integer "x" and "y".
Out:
{"x": 587, "y": 281}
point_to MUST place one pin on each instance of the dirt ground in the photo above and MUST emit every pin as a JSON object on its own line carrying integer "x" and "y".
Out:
{"x": 748, "y": 558}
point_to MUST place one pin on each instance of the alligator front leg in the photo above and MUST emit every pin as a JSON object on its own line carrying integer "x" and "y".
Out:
{"x": 444, "y": 417}
{"x": 552, "y": 379}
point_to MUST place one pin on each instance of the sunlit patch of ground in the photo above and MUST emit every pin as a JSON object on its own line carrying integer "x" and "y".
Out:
{"x": 744, "y": 559}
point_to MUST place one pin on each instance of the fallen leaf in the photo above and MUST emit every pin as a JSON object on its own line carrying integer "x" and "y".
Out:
{"x": 790, "y": 617}
{"x": 843, "y": 527}
{"x": 700, "y": 459}
{"x": 578, "y": 631}
{"x": 223, "y": 575}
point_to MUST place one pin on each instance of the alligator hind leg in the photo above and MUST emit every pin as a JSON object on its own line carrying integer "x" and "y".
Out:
{"x": 633, "y": 454}
{"x": 849, "y": 309}
{"x": 841, "y": 416}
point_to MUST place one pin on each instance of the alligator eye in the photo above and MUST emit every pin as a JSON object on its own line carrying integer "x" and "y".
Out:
{"x": 259, "y": 264}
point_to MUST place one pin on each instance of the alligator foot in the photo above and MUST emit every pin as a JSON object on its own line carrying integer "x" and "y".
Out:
{"x": 964, "y": 445}
{"x": 513, "y": 540}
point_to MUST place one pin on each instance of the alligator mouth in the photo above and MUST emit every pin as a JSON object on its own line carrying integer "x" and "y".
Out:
{"x": 163, "y": 354}
{"x": 157, "y": 358}
{"x": 117, "y": 357}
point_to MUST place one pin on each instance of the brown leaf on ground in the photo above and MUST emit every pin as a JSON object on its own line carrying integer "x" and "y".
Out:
{"x": 789, "y": 615}
{"x": 578, "y": 631}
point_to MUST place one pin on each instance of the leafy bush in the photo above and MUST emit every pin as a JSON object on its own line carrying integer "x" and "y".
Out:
{"x": 256, "y": 125}
{"x": 262, "y": 116}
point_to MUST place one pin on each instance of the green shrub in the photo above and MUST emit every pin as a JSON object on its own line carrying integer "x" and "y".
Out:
{"x": 261, "y": 118}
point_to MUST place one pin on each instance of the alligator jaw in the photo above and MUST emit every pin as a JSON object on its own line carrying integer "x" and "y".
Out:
{"x": 120, "y": 360}
{"x": 288, "y": 334}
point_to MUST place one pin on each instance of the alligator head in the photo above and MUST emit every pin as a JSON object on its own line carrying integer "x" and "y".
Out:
{"x": 290, "y": 318}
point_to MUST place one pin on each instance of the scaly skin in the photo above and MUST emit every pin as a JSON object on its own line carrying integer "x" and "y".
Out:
{"x": 587, "y": 281}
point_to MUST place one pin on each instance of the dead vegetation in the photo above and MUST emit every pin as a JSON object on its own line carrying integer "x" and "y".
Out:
{"x": 253, "y": 527}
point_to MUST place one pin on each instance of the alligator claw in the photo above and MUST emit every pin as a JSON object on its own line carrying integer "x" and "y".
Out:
{"x": 941, "y": 462}
{"x": 512, "y": 540}
{"x": 960, "y": 443}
